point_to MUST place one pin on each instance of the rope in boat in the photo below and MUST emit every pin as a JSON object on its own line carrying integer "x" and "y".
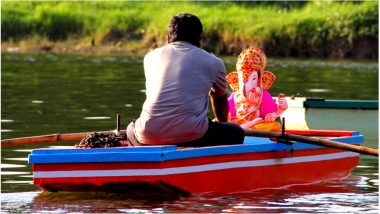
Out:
{"x": 98, "y": 140}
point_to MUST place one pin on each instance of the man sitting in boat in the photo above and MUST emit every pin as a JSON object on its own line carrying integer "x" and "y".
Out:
{"x": 180, "y": 79}
{"x": 250, "y": 103}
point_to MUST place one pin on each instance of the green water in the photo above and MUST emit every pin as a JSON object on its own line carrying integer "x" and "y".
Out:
{"x": 57, "y": 93}
{"x": 43, "y": 94}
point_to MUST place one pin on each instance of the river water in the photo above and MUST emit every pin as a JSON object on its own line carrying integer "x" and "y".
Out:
{"x": 46, "y": 93}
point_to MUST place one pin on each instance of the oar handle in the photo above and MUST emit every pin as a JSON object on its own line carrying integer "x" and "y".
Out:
{"x": 51, "y": 138}
{"x": 314, "y": 141}
{"x": 333, "y": 144}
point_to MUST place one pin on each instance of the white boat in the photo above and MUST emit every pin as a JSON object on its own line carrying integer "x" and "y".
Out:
{"x": 310, "y": 113}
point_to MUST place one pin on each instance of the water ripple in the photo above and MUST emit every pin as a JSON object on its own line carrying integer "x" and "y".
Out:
{"x": 37, "y": 101}
{"x": 97, "y": 118}
{"x": 7, "y": 121}
{"x": 6, "y": 165}
{"x": 13, "y": 173}
{"x": 17, "y": 159}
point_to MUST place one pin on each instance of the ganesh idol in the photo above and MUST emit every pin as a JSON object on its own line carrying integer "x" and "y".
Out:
{"x": 250, "y": 103}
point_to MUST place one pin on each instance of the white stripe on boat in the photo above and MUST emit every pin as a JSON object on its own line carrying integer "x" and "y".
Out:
{"x": 190, "y": 169}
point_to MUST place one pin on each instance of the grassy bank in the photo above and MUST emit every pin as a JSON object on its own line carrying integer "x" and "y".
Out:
{"x": 300, "y": 29}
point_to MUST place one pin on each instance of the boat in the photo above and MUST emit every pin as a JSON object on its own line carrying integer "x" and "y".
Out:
{"x": 360, "y": 115}
{"x": 256, "y": 164}
{"x": 318, "y": 113}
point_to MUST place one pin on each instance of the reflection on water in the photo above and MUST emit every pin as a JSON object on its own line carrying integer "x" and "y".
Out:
{"x": 318, "y": 90}
{"x": 339, "y": 196}
{"x": 44, "y": 94}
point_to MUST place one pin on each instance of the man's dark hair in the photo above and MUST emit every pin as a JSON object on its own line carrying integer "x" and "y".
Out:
{"x": 185, "y": 27}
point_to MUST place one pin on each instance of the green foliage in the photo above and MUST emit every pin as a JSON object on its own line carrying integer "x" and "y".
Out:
{"x": 325, "y": 29}
{"x": 286, "y": 28}
{"x": 364, "y": 22}
{"x": 15, "y": 24}
{"x": 57, "y": 23}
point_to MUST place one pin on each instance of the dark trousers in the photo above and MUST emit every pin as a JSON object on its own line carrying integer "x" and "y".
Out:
{"x": 218, "y": 133}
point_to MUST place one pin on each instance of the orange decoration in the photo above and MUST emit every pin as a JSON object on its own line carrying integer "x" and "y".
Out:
{"x": 250, "y": 60}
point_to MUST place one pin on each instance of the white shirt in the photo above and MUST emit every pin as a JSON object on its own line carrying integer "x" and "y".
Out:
{"x": 179, "y": 77}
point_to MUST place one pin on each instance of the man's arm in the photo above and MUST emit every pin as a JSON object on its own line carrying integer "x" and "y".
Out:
{"x": 219, "y": 106}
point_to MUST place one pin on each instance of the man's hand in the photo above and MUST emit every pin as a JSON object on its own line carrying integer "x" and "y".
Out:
{"x": 219, "y": 105}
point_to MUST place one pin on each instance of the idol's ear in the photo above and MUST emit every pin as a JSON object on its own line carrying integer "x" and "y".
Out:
{"x": 233, "y": 80}
{"x": 268, "y": 79}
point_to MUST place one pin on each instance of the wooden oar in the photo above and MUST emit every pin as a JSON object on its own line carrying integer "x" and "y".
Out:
{"x": 248, "y": 132}
{"x": 51, "y": 138}
{"x": 312, "y": 140}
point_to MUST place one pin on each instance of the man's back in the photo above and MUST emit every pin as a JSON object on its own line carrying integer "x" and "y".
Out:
{"x": 179, "y": 77}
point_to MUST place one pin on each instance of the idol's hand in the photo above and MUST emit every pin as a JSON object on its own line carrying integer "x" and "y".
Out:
{"x": 270, "y": 117}
{"x": 251, "y": 123}
{"x": 282, "y": 103}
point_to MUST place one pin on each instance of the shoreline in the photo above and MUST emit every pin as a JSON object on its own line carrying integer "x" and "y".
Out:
{"x": 365, "y": 50}
{"x": 63, "y": 48}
